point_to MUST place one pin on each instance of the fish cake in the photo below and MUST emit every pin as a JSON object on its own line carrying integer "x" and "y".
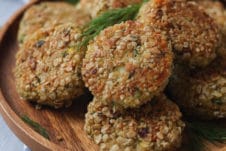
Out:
{"x": 96, "y": 7}
{"x": 200, "y": 94}
{"x": 194, "y": 35}
{"x": 156, "y": 126}
{"x": 128, "y": 64}
{"x": 48, "y": 66}
{"x": 216, "y": 10}
{"x": 47, "y": 14}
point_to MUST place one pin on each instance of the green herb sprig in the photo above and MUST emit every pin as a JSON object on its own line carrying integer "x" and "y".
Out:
{"x": 35, "y": 126}
{"x": 204, "y": 131}
{"x": 107, "y": 19}
{"x": 196, "y": 142}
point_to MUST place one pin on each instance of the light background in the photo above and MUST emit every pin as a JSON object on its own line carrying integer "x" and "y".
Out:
{"x": 8, "y": 141}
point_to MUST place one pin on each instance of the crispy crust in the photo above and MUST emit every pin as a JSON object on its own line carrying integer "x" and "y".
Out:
{"x": 200, "y": 93}
{"x": 214, "y": 9}
{"x": 217, "y": 11}
{"x": 48, "y": 66}
{"x": 195, "y": 35}
{"x": 47, "y": 14}
{"x": 96, "y": 7}
{"x": 128, "y": 64}
{"x": 156, "y": 126}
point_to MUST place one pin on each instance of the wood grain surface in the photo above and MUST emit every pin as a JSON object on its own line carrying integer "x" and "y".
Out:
{"x": 65, "y": 126}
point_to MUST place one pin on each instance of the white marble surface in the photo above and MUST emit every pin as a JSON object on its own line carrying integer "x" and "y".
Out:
{"x": 8, "y": 141}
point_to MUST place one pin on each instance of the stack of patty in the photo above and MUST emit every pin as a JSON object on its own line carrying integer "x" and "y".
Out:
{"x": 201, "y": 92}
{"x": 197, "y": 32}
{"x": 127, "y": 67}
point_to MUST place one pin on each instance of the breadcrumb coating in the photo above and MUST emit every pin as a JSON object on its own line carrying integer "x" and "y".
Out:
{"x": 195, "y": 36}
{"x": 217, "y": 11}
{"x": 128, "y": 64}
{"x": 48, "y": 66}
{"x": 200, "y": 93}
{"x": 156, "y": 126}
{"x": 47, "y": 14}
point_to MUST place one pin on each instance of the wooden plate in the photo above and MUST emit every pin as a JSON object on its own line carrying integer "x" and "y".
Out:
{"x": 65, "y": 126}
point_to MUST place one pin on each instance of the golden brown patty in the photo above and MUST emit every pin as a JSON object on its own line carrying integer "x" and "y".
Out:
{"x": 47, "y": 14}
{"x": 155, "y": 126}
{"x": 200, "y": 93}
{"x": 217, "y": 11}
{"x": 128, "y": 64}
{"x": 48, "y": 66}
{"x": 96, "y": 7}
{"x": 195, "y": 35}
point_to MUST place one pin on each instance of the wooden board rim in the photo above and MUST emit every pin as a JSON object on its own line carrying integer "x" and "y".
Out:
{"x": 23, "y": 131}
{"x": 14, "y": 122}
